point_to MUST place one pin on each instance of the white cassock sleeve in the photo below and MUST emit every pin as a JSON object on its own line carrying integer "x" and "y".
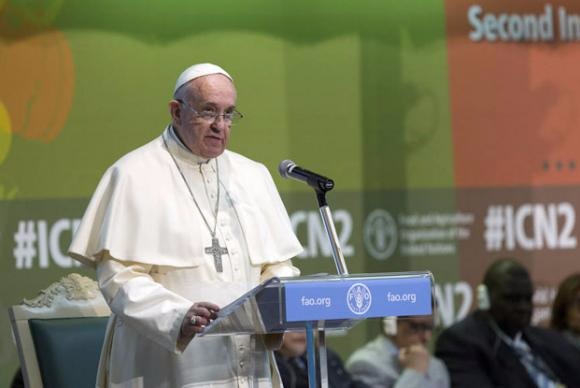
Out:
{"x": 137, "y": 299}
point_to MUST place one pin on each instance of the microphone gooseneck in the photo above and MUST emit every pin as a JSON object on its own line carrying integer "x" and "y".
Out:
{"x": 321, "y": 184}
{"x": 289, "y": 169}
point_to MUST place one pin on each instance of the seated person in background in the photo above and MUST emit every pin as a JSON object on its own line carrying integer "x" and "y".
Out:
{"x": 566, "y": 309}
{"x": 292, "y": 363}
{"x": 495, "y": 346}
{"x": 398, "y": 357}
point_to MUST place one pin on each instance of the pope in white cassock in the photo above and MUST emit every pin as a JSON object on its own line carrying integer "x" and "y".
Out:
{"x": 176, "y": 229}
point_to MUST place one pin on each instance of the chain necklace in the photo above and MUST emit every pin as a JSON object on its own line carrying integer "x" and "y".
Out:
{"x": 214, "y": 250}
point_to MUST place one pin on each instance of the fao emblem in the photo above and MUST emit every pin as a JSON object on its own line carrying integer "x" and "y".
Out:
{"x": 380, "y": 234}
{"x": 358, "y": 298}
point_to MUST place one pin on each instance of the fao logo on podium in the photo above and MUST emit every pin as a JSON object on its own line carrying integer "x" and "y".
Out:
{"x": 359, "y": 298}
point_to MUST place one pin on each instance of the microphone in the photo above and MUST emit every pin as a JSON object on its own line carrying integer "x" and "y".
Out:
{"x": 289, "y": 169}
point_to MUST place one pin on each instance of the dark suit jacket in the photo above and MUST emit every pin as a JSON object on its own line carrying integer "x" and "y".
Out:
{"x": 294, "y": 372}
{"x": 476, "y": 357}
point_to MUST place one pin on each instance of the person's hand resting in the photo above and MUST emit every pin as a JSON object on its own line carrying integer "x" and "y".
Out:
{"x": 415, "y": 357}
{"x": 198, "y": 316}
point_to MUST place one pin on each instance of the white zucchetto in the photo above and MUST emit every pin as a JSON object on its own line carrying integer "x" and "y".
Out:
{"x": 199, "y": 70}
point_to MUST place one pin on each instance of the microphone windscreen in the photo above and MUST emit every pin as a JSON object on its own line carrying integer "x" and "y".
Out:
{"x": 284, "y": 167}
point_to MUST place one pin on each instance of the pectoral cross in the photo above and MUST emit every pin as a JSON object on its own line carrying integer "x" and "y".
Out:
{"x": 216, "y": 251}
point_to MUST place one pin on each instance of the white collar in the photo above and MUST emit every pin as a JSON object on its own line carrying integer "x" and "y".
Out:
{"x": 180, "y": 151}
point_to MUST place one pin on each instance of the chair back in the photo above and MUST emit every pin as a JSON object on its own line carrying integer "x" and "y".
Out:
{"x": 59, "y": 334}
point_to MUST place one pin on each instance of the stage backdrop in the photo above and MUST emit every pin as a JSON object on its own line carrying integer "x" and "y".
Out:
{"x": 449, "y": 127}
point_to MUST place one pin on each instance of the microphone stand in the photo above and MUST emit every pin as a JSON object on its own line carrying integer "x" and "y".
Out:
{"x": 320, "y": 184}
{"x": 315, "y": 335}
{"x": 328, "y": 222}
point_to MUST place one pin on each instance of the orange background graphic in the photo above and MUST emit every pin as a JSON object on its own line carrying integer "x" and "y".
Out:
{"x": 514, "y": 105}
{"x": 37, "y": 78}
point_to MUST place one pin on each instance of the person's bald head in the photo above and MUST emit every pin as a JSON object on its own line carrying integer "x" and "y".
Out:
{"x": 501, "y": 269}
{"x": 510, "y": 295}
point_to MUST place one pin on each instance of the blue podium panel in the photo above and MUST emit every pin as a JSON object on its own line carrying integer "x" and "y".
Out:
{"x": 333, "y": 302}
{"x": 358, "y": 298}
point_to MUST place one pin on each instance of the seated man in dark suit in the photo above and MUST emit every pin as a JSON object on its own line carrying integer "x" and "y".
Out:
{"x": 292, "y": 363}
{"x": 496, "y": 347}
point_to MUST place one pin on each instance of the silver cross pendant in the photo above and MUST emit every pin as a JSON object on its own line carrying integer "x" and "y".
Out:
{"x": 216, "y": 251}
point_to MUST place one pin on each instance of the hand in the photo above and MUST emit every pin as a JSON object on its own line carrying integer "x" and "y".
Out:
{"x": 415, "y": 357}
{"x": 197, "y": 318}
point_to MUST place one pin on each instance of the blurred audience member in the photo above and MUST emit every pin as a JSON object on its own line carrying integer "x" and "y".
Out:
{"x": 398, "y": 357}
{"x": 566, "y": 309}
{"x": 496, "y": 347}
{"x": 292, "y": 363}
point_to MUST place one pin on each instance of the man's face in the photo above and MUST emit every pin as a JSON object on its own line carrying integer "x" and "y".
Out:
{"x": 294, "y": 344}
{"x": 206, "y": 138}
{"x": 511, "y": 303}
{"x": 413, "y": 331}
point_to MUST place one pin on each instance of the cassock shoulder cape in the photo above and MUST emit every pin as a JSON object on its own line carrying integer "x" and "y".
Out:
{"x": 142, "y": 211}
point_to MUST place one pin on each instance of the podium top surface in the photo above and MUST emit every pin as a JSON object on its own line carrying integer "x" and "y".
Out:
{"x": 360, "y": 276}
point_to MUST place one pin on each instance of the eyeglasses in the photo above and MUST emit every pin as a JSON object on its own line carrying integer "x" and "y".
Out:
{"x": 417, "y": 327}
{"x": 210, "y": 115}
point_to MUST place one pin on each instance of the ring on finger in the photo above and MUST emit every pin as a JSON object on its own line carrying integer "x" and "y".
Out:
{"x": 193, "y": 320}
